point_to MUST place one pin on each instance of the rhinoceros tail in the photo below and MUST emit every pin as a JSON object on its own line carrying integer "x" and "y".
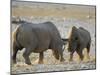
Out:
{"x": 15, "y": 33}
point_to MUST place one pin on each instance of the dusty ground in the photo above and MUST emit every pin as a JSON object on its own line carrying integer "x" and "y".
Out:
{"x": 64, "y": 17}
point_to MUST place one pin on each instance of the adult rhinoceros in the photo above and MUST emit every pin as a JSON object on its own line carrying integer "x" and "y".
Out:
{"x": 37, "y": 38}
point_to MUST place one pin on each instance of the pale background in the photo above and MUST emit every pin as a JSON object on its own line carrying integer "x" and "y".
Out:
{"x": 5, "y": 36}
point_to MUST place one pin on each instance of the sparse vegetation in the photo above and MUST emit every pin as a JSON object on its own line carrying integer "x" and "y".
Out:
{"x": 64, "y": 17}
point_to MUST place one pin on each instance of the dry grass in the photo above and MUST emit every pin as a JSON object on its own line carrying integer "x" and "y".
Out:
{"x": 64, "y": 17}
{"x": 56, "y": 10}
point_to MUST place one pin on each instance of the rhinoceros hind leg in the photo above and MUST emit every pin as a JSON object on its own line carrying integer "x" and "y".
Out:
{"x": 26, "y": 56}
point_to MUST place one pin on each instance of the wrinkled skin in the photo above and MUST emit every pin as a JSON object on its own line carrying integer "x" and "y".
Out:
{"x": 37, "y": 38}
{"x": 78, "y": 40}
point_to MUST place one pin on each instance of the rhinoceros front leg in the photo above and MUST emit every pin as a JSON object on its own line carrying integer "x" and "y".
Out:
{"x": 79, "y": 51}
{"x": 41, "y": 56}
{"x": 62, "y": 58}
{"x": 60, "y": 51}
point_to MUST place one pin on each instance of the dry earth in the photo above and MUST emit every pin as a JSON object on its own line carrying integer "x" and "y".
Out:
{"x": 64, "y": 17}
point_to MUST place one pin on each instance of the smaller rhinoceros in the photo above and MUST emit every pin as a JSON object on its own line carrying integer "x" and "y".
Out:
{"x": 79, "y": 39}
